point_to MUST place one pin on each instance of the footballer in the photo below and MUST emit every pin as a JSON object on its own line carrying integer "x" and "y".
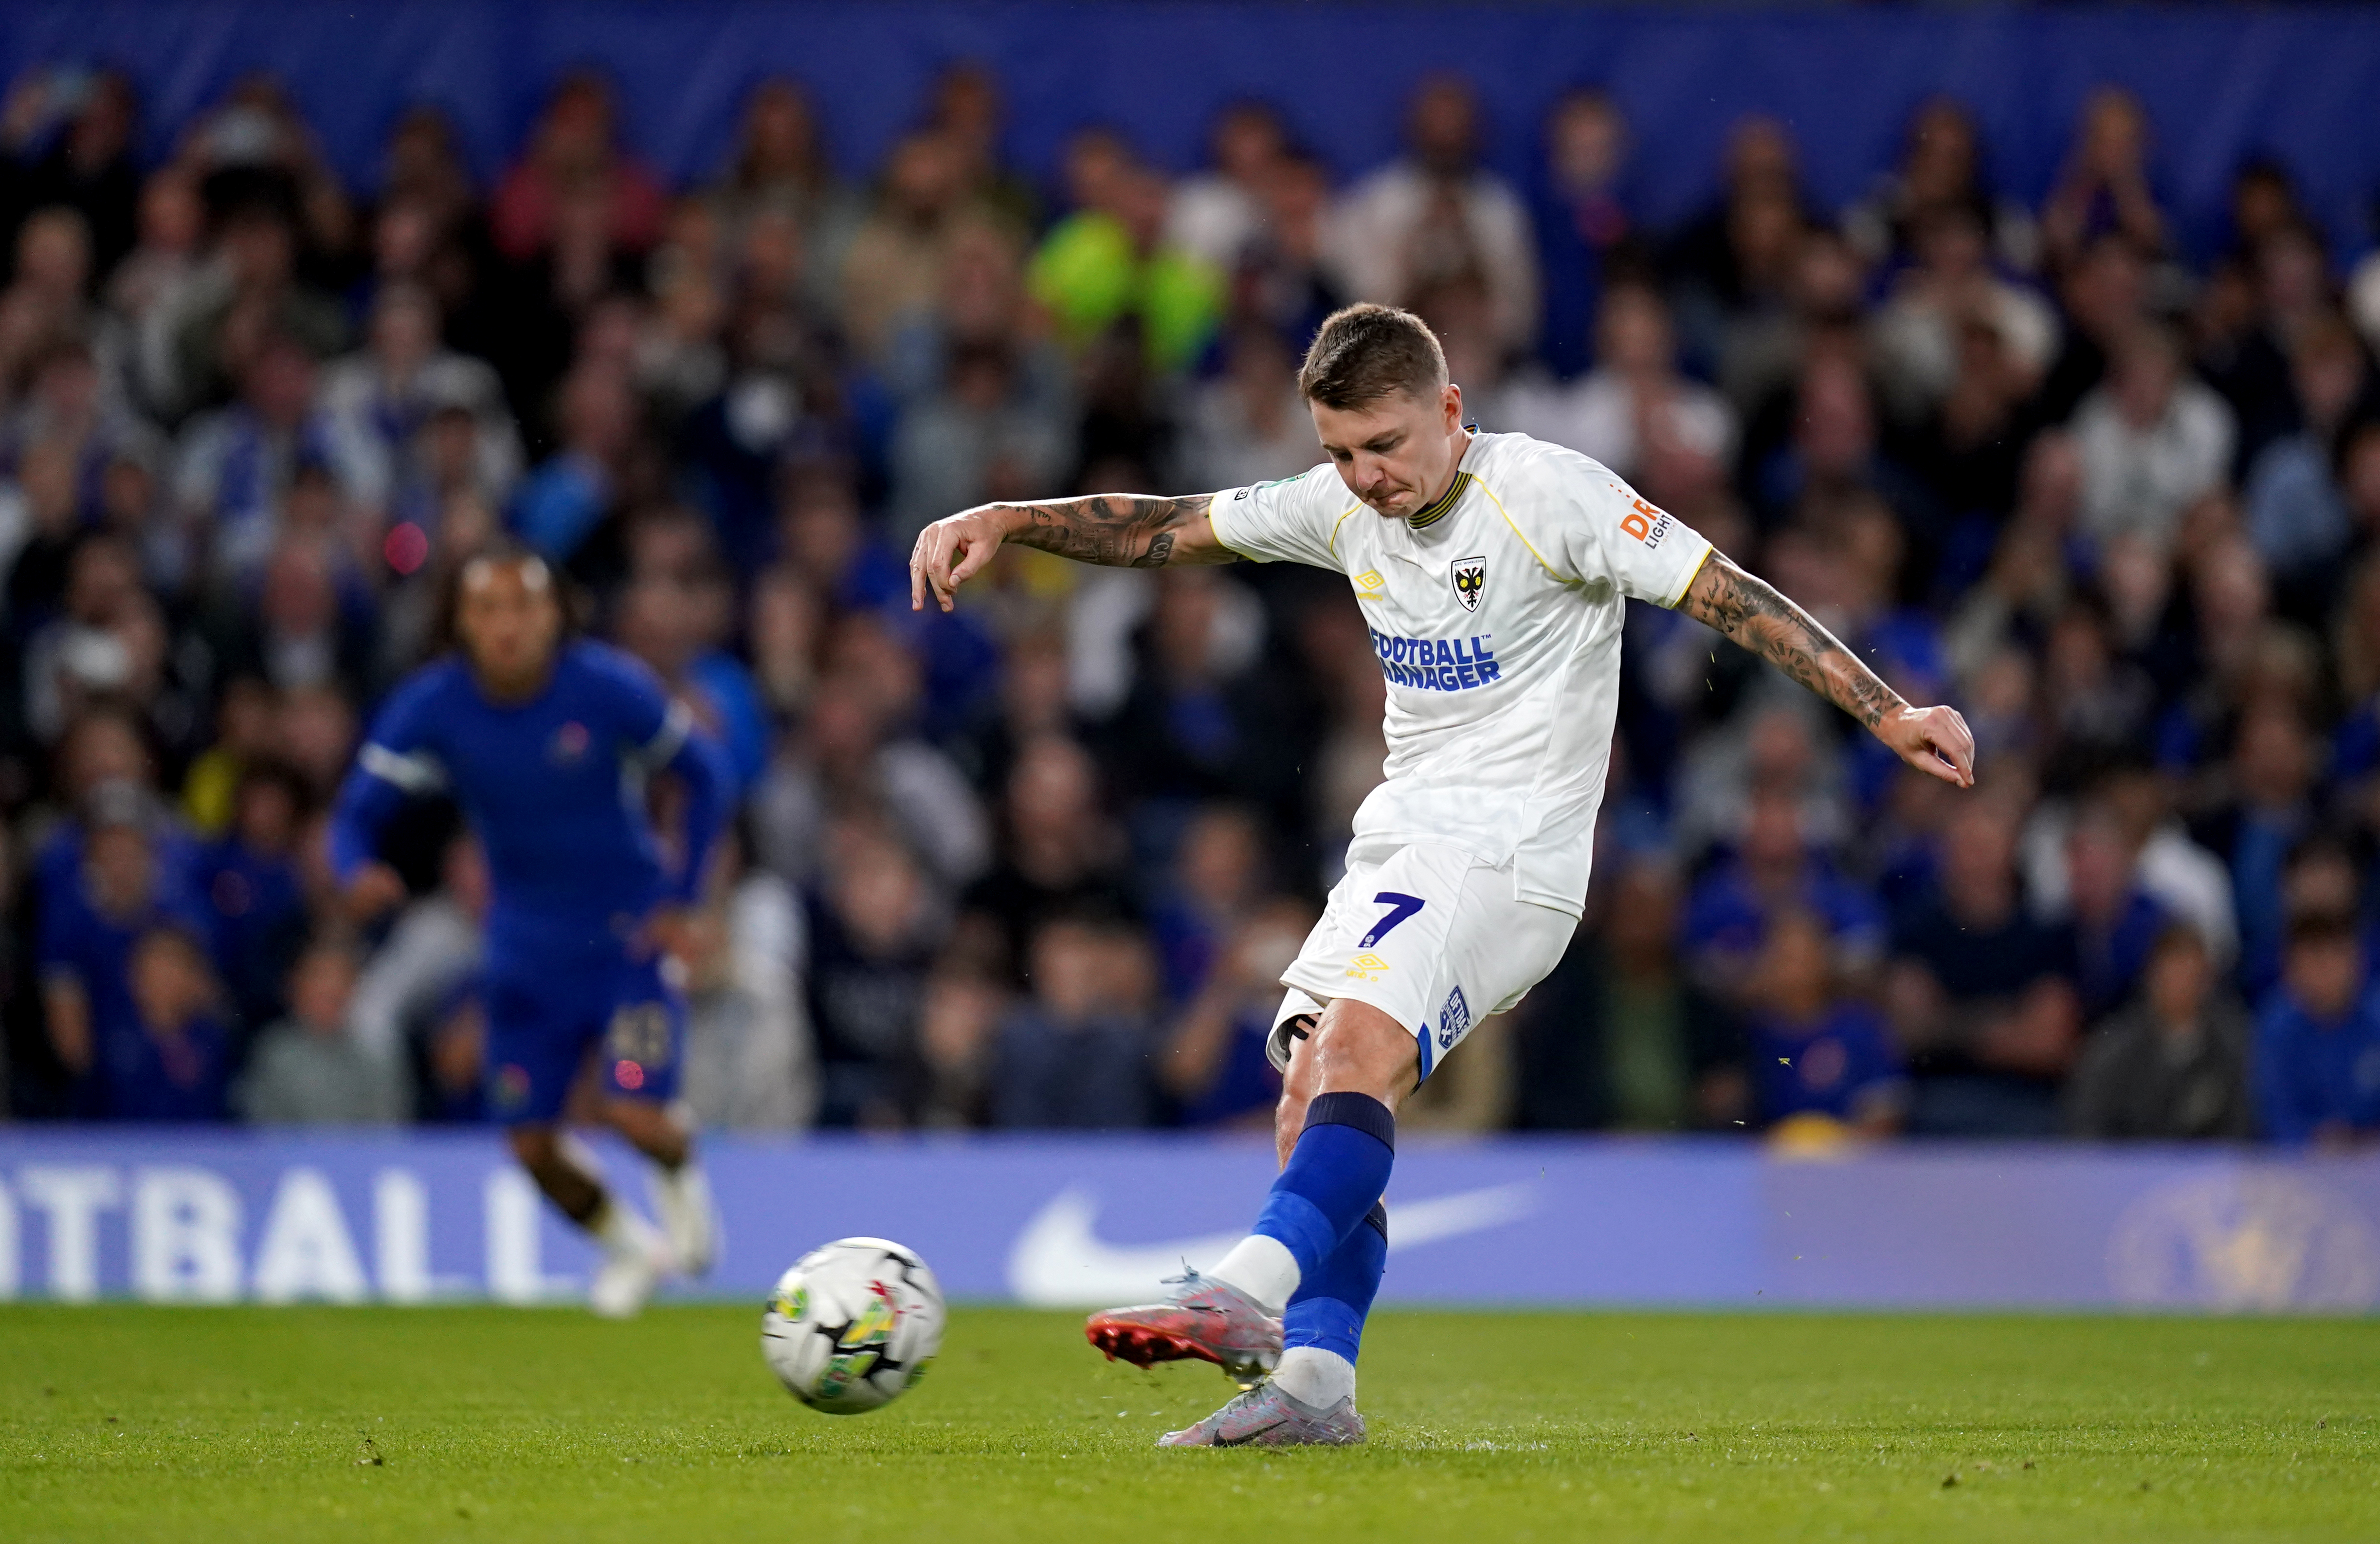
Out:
{"x": 546, "y": 741}
{"x": 1493, "y": 571}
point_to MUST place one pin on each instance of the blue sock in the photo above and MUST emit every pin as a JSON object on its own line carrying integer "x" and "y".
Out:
{"x": 1336, "y": 1174}
{"x": 1332, "y": 1302}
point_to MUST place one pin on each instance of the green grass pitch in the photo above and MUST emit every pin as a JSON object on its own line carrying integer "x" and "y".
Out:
{"x": 357, "y": 1424}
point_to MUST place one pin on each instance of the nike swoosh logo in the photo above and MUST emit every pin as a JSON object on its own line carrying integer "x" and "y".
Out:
{"x": 1059, "y": 1260}
{"x": 1245, "y": 1438}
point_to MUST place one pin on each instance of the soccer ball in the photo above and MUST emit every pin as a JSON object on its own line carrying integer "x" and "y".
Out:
{"x": 853, "y": 1325}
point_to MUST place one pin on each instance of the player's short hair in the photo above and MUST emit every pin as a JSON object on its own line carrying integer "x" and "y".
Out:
{"x": 1367, "y": 354}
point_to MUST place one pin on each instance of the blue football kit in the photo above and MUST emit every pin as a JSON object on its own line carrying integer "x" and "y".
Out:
{"x": 554, "y": 789}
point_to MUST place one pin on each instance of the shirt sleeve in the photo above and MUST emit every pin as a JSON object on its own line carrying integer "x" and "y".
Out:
{"x": 1295, "y": 519}
{"x": 1604, "y": 529}
{"x": 399, "y": 761}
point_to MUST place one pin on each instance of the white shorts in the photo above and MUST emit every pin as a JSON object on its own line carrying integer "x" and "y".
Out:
{"x": 1431, "y": 937}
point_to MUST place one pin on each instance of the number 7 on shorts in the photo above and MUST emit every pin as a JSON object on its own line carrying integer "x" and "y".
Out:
{"x": 1400, "y": 908}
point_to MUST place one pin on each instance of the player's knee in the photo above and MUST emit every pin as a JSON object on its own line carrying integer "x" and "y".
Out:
{"x": 1357, "y": 1047}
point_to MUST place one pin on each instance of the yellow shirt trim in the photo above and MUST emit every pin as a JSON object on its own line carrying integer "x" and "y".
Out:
{"x": 1516, "y": 531}
{"x": 1343, "y": 520}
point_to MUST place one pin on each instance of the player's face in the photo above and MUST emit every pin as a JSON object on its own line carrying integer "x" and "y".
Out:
{"x": 1397, "y": 454}
{"x": 509, "y": 619}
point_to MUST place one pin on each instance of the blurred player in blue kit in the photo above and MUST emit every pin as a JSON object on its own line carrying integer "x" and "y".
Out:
{"x": 547, "y": 741}
{"x": 1493, "y": 571}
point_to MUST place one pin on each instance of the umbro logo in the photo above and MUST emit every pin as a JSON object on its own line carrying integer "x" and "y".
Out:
{"x": 1369, "y": 581}
{"x": 1470, "y": 576}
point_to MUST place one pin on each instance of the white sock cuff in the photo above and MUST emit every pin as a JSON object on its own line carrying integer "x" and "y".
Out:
{"x": 1313, "y": 1375}
{"x": 1263, "y": 1268}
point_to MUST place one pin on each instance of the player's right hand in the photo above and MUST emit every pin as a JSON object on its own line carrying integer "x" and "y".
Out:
{"x": 375, "y": 889}
{"x": 950, "y": 552}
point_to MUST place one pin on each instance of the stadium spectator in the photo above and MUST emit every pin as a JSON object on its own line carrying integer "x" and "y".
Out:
{"x": 1941, "y": 169}
{"x": 1981, "y": 996}
{"x": 1618, "y": 1036}
{"x": 2293, "y": 510}
{"x": 2317, "y": 1058}
{"x": 115, "y": 1022}
{"x": 1283, "y": 280}
{"x": 2153, "y": 440}
{"x": 1060, "y": 855}
{"x": 1077, "y": 1052}
{"x": 2105, "y": 184}
{"x": 1247, "y": 425}
{"x": 562, "y": 502}
{"x": 894, "y": 266}
{"x": 857, "y": 758}
{"x": 1921, "y": 333}
{"x": 1736, "y": 264}
{"x": 310, "y": 1069}
{"x": 2271, "y": 808}
{"x": 1773, "y": 869}
{"x": 1218, "y": 876}
{"x": 1217, "y": 215}
{"x": 1588, "y": 236}
{"x": 1215, "y": 1067}
{"x": 389, "y": 408}
{"x": 2173, "y": 1065}
{"x": 1436, "y": 215}
{"x": 966, "y": 109}
{"x": 983, "y": 432}
{"x": 874, "y": 929}
{"x": 236, "y": 465}
{"x": 69, "y": 139}
{"x": 1815, "y": 1051}
{"x": 253, "y": 891}
{"x": 574, "y": 149}
{"x": 1111, "y": 261}
{"x": 170, "y": 1059}
{"x": 779, "y": 168}
{"x": 1635, "y": 403}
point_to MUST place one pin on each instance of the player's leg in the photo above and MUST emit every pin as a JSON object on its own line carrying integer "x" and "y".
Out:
{"x": 1322, "y": 1326}
{"x": 644, "y": 1041}
{"x": 1336, "y": 1127}
{"x": 1371, "y": 957}
{"x": 536, "y": 1040}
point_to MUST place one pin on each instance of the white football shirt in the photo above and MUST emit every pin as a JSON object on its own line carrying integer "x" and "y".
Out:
{"x": 1496, "y": 613}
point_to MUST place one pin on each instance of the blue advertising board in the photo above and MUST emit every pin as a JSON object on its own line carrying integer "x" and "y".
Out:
{"x": 172, "y": 1215}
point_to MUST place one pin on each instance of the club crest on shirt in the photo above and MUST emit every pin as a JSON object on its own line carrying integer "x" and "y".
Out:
{"x": 1470, "y": 574}
{"x": 569, "y": 744}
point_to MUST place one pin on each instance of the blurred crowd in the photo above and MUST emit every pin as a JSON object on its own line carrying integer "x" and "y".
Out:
{"x": 1038, "y": 863}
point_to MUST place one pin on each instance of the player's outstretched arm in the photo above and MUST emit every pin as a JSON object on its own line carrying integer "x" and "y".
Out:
{"x": 1115, "y": 531}
{"x": 1749, "y": 609}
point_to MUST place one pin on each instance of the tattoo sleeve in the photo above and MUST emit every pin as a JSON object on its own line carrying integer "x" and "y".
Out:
{"x": 1115, "y": 531}
{"x": 1750, "y": 611}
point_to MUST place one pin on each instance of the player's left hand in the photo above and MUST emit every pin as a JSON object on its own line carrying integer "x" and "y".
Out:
{"x": 1933, "y": 740}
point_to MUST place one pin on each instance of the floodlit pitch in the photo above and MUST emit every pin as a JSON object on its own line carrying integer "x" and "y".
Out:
{"x": 359, "y": 1425}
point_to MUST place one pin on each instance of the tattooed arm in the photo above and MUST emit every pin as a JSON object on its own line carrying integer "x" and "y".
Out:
{"x": 1115, "y": 531}
{"x": 1749, "y": 609}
